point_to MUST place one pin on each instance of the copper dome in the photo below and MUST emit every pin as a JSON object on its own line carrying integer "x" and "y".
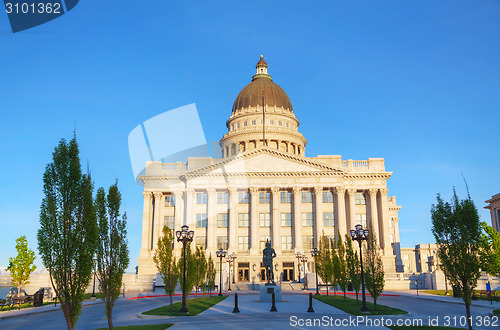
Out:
{"x": 251, "y": 95}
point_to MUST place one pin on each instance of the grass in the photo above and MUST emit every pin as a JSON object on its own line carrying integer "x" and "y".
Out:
{"x": 143, "y": 327}
{"x": 350, "y": 306}
{"x": 86, "y": 296}
{"x": 26, "y": 305}
{"x": 496, "y": 312}
{"x": 194, "y": 307}
{"x": 438, "y": 292}
{"x": 425, "y": 327}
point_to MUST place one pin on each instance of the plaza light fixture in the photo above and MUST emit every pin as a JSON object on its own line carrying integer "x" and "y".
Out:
{"x": 298, "y": 255}
{"x": 234, "y": 255}
{"x": 314, "y": 254}
{"x": 220, "y": 254}
{"x": 359, "y": 234}
{"x": 229, "y": 258}
{"x": 304, "y": 260}
{"x": 185, "y": 236}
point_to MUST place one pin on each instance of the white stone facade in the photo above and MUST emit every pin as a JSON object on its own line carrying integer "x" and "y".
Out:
{"x": 494, "y": 207}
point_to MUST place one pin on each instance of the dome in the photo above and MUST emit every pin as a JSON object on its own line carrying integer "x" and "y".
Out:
{"x": 251, "y": 95}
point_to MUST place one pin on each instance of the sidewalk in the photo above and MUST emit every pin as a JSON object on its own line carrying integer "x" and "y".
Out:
{"x": 448, "y": 299}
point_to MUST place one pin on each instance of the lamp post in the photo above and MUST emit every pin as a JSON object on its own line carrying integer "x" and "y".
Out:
{"x": 229, "y": 258}
{"x": 358, "y": 234}
{"x": 314, "y": 254}
{"x": 304, "y": 260}
{"x": 220, "y": 254}
{"x": 184, "y": 235}
{"x": 234, "y": 255}
{"x": 298, "y": 255}
{"x": 95, "y": 271}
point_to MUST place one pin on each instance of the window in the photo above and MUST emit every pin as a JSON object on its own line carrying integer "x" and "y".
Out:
{"x": 307, "y": 197}
{"x": 360, "y": 199}
{"x": 243, "y": 243}
{"x": 170, "y": 222}
{"x": 392, "y": 238}
{"x": 201, "y": 241}
{"x": 286, "y": 242}
{"x": 265, "y": 197}
{"x": 243, "y": 220}
{"x": 327, "y": 197}
{"x": 253, "y": 122}
{"x": 286, "y": 219}
{"x": 169, "y": 200}
{"x": 265, "y": 219}
{"x": 329, "y": 219}
{"x": 390, "y": 223}
{"x": 222, "y": 198}
{"x": 222, "y": 242}
{"x": 307, "y": 219}
{"x": 405, "y": 257}
{"x": 238, "y": 126}
{"x": 263, "y": 240}
{"x": 272, "y": 121}
{"x": 245, "y": 123}
{"x": 201, "y": 220}
{"x": 308, "y": 243}
{"x": 280, "y": 123}
{"x": 222, "y": 220}
{"x": 286, "y": 197}
{"x": 287, "y": 125}
{"x": 201, "y": 198}
{"x": 243, "y": 198}
{"x": 361, "y": 219}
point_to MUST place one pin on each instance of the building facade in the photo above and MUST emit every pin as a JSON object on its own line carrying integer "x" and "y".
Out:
{"x": 264, "y": 188}
{"x": 494, "y": 207}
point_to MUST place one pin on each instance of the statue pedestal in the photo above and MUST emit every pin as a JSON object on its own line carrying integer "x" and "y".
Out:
{"x": 266, "y": 292}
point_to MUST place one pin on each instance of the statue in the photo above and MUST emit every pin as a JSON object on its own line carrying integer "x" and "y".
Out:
{"x": 267, "y": 260}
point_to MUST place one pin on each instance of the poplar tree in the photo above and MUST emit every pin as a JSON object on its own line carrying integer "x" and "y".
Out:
{"x": 374, "y": 269}
{"x": 458, "y": 232}
{"x": 323, "y": 264}
{"x": 21, "y": 266}
{"x": 200, "y": 269}
{"x": 112, "y": 251}
{"x": 490, "y": 252}
{"x": 353, "y": 266}
{"x": 166, "y": 263}
{"x": 343, "y": 272}
{"x": 211, "y": 273}
{"x": 190, "y": 270}
{"x": 67, "y": 237}
{"x": 334, "y": 274}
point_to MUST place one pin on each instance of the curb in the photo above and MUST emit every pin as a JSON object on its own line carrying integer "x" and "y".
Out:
{"x": 34, "y": 312}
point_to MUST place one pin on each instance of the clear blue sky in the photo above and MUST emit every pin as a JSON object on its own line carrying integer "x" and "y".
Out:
{"x": 415, "y": 82}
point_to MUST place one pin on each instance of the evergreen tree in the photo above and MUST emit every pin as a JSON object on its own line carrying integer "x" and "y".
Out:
{"x": 200, "y": 269}
{"x": 458, "y": 232}
{"x": 21, "y": 266}
{"x": 165, "y": 262}
{"x": 211, "y": 272}
{"x": 112, "y": 252}
{"x": 353, "y": 266}
{"x": 67, "y": 237}
{"x": 374, "y": 269}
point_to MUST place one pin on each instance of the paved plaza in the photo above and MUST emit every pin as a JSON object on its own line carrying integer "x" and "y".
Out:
{"x": 292, "y": 313}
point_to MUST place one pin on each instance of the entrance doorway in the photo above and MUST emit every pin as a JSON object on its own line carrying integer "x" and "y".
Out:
{"x": 243, "y": 272}
{"x": 288, "y": 272}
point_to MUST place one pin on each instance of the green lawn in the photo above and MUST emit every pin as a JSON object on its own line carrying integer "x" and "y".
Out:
{"x": 194, "y": 307}
{"x": 145, "y": 327}
{"x": 86, "y": 296}
{"x": 395, "y": 327}
{"x": 496, "y": 311}
{"x": 26, "y": 305}
{"x": 438, "y": 292}
{"x": 351, "y": 307}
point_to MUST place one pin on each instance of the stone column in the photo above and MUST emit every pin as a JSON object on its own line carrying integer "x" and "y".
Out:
{"x": 233, "y": 221}
{"x": 179, "y": 205}
{"x": 318, "y": 215}
{"x": 146, "y": 225}
{"x": 254, "y": 221}
{"x": 352, "y": 209}
{"x": 397, "y": 246}
{"x": 211, "y": 219}
{"x": 297, "y": 221}
{"x": 373, "y": 224}
{"x": 385, "y": 230}
{"x": 158, "y": 221}
{"x": 275, "y": 220}
{"x": 340, "y": 218}
{"x": 189, "y": 218}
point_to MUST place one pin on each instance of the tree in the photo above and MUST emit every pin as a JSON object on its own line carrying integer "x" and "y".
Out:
{"x": 200, "y": 269}
{"x": 374, "y": 269}
{"x": 457, "y": 231}
{"x": 67, "y": 237}
{"x": 190, "y": 270}
{"x": 165, "y": 262}
{"x": 211, "y": 272}
{"x": 323, "y": 262}
{"x": 343, "y": 272}
{"x": 490, "y": 251}
{"x": 335, "y": 268}
{"x": 353, "y": 266}
{"x": 21, "y": 266}
{"x": 112, "y": 251}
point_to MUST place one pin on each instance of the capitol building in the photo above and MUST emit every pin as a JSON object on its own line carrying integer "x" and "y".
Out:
{"x": 265, "y": 188}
